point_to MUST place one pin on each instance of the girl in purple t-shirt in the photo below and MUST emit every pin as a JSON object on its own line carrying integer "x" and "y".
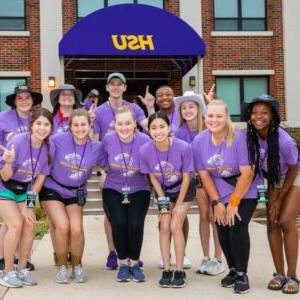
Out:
{"x": 23, "y": 167}
{"x": 221, "y": 158}
{"x": 191, "y": 110}
{"x": 277, "y": 155}
{"x": 64, "y": 192}
{"x": 126, "y": 192}
{"x": 12, "y": 122}
{"x": 168, "y": 161}
{"x": 64, "y": 100}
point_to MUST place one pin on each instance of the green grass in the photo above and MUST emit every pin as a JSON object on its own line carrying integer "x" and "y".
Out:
{"x": 42, "y": 225}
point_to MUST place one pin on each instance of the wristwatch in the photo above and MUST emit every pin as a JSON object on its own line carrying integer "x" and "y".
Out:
{"x": 215, "y": 202}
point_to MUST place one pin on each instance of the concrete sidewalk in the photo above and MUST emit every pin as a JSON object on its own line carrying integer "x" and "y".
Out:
{"x": 102, "y": 285}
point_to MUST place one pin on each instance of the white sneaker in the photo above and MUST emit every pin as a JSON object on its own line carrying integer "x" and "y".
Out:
{"x": 215, "y": 267}
{"x": 161, "y": 263}
{"x": 203, "y": 265}
{"x": 62, "y": 275}
{"x": 187, "y": 264}
{"x": 78, "y": 274}
{"x": 11, "y": 280}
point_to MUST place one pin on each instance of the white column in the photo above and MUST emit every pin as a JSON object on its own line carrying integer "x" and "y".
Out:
{"x": 291, "y": 48}
{"x": 51, "y": 33}
{"x": 190, "y": 12}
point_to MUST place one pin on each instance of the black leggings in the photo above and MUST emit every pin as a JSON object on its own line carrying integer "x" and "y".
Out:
{"x": 235, "y": 240}
{"x": 127, "y": 221}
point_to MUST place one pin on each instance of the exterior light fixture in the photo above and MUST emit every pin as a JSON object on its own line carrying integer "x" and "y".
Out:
{"x": 192, "y": 80}
{"x": 51, "y": 81}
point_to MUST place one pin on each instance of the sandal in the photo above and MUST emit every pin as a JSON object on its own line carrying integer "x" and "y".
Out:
{"x": 277, "y": 282}
{"x": 291, "y": 286}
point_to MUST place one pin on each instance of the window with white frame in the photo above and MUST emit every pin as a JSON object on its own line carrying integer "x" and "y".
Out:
{"x": 236, "y": 91}
{"x": 7, "y": 87}
{"x": 86, "y": 7}
{"x": 240, "y": 15}
{"x": 12, "y": 15}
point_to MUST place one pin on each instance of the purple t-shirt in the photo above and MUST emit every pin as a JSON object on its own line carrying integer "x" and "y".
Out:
{"x": 105, "y": 115}
{"x": 11, "y": 122}
{"x": 288, "y": 152}
{"x": 186, "y": 134}
{"x": 174, "y": 120}
{"x": 66, "y": 158}
{"x": 116, "y": 176}
{"x": 220, "y": 161}
{"x": 87, "y": 103}
{"x": 168, "y": 166}
{"x": 58, "y": 126}
{"x": 22, "y": 165}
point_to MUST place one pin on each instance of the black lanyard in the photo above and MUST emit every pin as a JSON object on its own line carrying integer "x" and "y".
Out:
{"x": 163, "y": 172}
{"x": 124, "y": 160}
{"x": 33, "y": 168}
{"x": 21, "y": 125}
{"x": 82, "y": 156}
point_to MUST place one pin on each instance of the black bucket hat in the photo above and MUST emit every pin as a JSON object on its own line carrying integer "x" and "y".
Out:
{"x": 54, "y": 94}
{"x": 264, "y": 98}
{"x": 36, "y": 97}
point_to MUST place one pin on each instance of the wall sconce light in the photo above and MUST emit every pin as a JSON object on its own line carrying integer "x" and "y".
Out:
{"x": 51, "y": 81}
{"x": 192, "y": 80}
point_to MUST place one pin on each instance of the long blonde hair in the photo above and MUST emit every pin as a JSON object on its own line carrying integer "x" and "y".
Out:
{"x": 200, "y": 122}
{"x": 230, "y": 126}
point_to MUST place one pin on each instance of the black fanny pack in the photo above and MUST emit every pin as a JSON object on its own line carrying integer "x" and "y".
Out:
{"x": 15, "y": 186}
{"x": 67, "y": 186}
{"x": 232, "y": 180}
{"x": 169, "y": 187}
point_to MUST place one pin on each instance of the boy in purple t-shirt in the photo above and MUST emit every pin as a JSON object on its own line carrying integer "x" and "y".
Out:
{"x": 104, "y": 123}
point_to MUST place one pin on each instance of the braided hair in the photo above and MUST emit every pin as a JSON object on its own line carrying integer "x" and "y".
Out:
{"x": 273, "y": 161}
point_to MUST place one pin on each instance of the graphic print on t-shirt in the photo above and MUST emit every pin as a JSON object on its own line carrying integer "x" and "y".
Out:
{"x": 72, "y": 162}
{"x": 168, "y": 172}
{"x": 26, "y": 169}
{"x": 216, "y": 162}
{"x": 119, "y": 158}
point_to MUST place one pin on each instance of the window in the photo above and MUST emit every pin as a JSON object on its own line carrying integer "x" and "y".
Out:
{"x": 236, "y": 91}
{"x": 7, "y": 86}
{"x": 12, "y": 15}
{"x": 240, "y": 15}
{"x": 86, "y": 7}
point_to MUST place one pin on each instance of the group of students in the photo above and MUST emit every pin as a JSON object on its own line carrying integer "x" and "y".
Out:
{"x": 186, "y": 150}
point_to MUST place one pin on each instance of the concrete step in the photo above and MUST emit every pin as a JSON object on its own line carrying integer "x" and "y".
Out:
{"x": 93, "y": 193}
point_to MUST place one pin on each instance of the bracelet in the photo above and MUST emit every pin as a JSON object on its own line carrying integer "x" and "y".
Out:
{"x": 215, "y": 202}
{"x": 234, "y": 200}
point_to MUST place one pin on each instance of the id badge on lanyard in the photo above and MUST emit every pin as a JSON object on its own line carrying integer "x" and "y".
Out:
{"x": 31, "y": 199}
{"x": 125, "y": 192}
{"x": 262, "y": 193}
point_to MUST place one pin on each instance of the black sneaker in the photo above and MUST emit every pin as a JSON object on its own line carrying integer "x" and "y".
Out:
{"x": 241, "y": 284}
{"x": 178, "y": 279}
{"x": 229, "y": 279}
{"x": 29, "y": 265}
{"x": 166, "y": 279}
{"x": 2, "y": 264}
